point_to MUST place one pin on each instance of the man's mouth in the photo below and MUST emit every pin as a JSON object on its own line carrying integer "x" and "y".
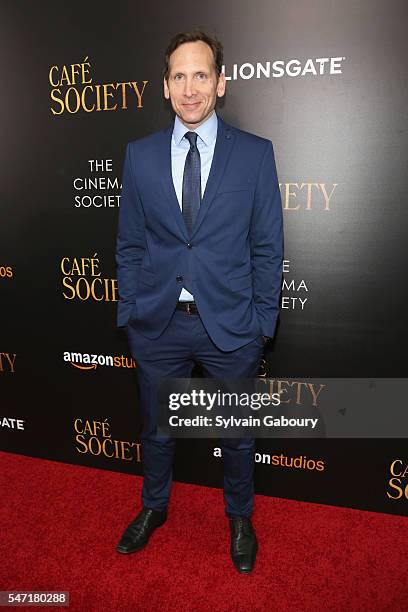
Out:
{"x": 191, "y": 105}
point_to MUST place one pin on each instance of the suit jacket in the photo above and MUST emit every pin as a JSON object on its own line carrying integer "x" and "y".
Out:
{"x": 233, "y": 258}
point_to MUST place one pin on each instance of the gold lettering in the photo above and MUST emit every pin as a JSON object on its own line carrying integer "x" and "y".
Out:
{"x": 315, "y": 395}
{"x": 326, "y": 197}
{"x": 106, "y": 440}
{"x": 84, "y": 106}
{"x": 95, "y": 297}
{"x": 87, "y": 428}
{"x": 67, "y": 282}
{"x": 50, "y": 76}
{"x": 289, "y": 193}
{"x": 392, "y": 467}
{"x": 123, "y": 86}
{"x": 139, "y": 93}
{"x": 85, "y": 71}
{"x": 77, "y": 99}
{"x": 64, "y": 76}
{"x": 107, "y": 95}
{"x": 94, "y": 265}
{"x": 76, "y": 425}
{"x": 80, "y": 440}
{"x": 98, "y": 97}
{"x": 60, "y": 102}
{"x": 105, "y": 427}
{"x": 394, "y": 482}
{"x": 309, "y": 193}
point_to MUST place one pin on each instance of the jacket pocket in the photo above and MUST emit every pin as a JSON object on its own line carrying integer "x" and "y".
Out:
{"x": 232, "y": 188}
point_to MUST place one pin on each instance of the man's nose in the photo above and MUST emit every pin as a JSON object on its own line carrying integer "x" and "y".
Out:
{"x": 189, "y": 87}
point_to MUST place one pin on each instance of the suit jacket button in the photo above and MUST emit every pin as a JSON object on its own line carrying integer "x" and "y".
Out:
{"x": 189, "y": 245}
{"x": 179, "y": 278}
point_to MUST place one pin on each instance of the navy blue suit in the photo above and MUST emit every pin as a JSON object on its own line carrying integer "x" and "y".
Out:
{"x": 233, "y": 263}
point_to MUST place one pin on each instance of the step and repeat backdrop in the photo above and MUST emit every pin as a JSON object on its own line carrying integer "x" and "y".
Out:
{"x": 326, "y": 82}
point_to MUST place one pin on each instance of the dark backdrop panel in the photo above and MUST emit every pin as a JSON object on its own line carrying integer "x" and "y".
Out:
{"x": 340, "y": 147}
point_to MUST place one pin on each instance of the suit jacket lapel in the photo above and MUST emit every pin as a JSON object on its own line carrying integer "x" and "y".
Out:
{"x": 223, "y": 147}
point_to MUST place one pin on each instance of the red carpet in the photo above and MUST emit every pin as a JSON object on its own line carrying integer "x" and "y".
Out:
{"x": 60, "y": 524}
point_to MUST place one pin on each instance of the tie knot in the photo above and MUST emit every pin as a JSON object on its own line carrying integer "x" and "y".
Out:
{"x": 192, "y": 139}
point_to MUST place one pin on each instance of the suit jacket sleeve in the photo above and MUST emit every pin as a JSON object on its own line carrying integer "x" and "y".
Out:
{"x": 266, "y": 235}
{"x": 130, "y": 243}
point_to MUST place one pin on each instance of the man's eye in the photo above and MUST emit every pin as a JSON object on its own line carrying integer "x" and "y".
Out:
{"x": 201, "y": 76}
{"x": 178, "y": 77}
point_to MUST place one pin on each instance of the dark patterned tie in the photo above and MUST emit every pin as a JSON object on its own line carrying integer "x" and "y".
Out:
{"x": 191, "y": 198}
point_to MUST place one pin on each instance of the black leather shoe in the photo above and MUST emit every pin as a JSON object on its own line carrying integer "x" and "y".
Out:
{"x": 243, "y": 544}
{"x": 137, "y": 534}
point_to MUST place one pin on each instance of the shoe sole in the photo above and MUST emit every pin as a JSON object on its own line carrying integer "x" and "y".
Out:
{"x": 129, "y": 552}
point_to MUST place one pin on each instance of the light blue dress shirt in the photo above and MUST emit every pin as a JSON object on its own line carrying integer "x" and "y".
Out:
{"x": 207, "y": 135}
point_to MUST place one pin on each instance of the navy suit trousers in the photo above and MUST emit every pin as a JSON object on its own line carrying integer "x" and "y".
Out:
{"x": 183, "y": 344}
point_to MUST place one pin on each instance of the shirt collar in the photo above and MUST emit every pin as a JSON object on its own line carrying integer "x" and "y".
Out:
{"x": 207, "y": 131}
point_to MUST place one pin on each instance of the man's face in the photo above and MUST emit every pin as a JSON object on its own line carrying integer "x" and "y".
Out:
{"x": 193, "y": 84}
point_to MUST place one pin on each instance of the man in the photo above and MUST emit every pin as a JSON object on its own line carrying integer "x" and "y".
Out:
{"x": 199, "y": 262}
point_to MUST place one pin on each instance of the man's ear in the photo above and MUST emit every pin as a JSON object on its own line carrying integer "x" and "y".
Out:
{"x": 166, "y": 89}
{"x": 221, "y": 85}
